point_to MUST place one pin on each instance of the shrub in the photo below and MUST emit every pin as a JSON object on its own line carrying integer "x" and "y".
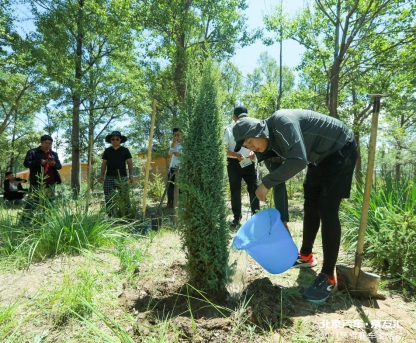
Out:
{"x": 391, "y": 228}
{"x": 202, "y": 204}
{"x": 156, "y": 188}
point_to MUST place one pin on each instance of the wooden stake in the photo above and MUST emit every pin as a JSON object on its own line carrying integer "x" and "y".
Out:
{"x": 149, "y": 157}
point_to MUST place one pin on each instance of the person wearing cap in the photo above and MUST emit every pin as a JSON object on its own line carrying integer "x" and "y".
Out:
{"x": 113, "y": 167}
{"x": 13, "y": 190}
{"x": 174, "y": 151}
{"x": 327, "y": 147}
{"x": 240, "y": 167}
{"x": 43, "y": 164}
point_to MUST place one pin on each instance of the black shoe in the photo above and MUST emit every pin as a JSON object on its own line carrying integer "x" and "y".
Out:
{"x": 235, "y": 223}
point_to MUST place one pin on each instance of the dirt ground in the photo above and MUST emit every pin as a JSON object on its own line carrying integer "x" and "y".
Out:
{"x": 272, "y": 303}
{"x": 259, "y": 307}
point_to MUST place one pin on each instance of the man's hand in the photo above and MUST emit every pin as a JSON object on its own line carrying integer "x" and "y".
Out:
{"x": 251, "y": 155}
{"x": 101, "y": 179}
{"x": 261, "y": 192}
{"x": 240, "y": 157}
{"x": 52, "y": 163}
{"x": 175, "y": 153}
{"x": 43, "y": 162}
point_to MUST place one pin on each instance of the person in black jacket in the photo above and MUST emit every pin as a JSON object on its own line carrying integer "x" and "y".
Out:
{"x": 43, "y": 164}
{"x": 327, "y": 148}
{"x": 13, "y": 190}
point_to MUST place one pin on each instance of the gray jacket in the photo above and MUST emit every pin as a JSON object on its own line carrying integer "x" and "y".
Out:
{"x": 299, "y": 137}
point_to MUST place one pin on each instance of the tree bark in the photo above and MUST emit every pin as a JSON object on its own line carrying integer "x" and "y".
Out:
{"x": 76, "y": 101}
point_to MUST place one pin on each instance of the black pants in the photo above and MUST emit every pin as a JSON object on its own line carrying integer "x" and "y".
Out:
{"x": 324, "y": 187}
{"x": 281, "y": 202}
{"x": 171, "y": 189}
{"x": 235, "y": 175}
{"x": 35, "y": 198}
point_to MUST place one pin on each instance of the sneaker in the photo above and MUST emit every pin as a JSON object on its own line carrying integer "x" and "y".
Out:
{"x": 305, "y": 261}
{"x": 322, "y": 288}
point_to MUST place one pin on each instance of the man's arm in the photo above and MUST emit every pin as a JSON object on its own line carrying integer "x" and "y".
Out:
{"x": 103, "y": 169}
{"x": 30, "y": 160}
{"x": 6, "y": 185}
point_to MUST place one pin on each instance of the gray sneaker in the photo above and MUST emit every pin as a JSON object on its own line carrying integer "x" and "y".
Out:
{"x": 322, "y": 288}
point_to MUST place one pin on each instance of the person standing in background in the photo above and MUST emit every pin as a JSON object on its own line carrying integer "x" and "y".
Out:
{"x": 43, "y": 164}
{"x": 175, "y": 152}
{"x": 240, "y": 167}
{"x": 113, "y": 168}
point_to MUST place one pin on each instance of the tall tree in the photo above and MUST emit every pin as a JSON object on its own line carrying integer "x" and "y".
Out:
{"x": 75, "y": 37}
{"x": 202, "y": 202}
{"x": 180, "y": 28}
{"x": 343, "y": 37}
{"x": 267, "y": 86}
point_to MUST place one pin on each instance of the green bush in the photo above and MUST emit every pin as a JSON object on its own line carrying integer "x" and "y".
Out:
{"x": 156, "y": 188}
{"x": 391, "y": 228}
{"x": 202, "y": 204}
{"x": 63, "y": 226}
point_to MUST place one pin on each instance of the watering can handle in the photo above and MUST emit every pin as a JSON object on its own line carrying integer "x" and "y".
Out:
{"x": 368, "y": 181}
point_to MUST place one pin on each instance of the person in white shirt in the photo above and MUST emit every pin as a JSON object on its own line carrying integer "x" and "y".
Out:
{"x": 240, "y": 166}
{"x": 175, "y": 152}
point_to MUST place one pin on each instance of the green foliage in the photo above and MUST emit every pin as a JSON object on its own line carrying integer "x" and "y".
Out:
{"x": 156, "y": 187}
{"x": 202, "y": 171}
{"x": 125, "y": 202}
{"x": 63, "y": 226}
{"x": 69, "y": 298}
{"x": 391, "y": 229}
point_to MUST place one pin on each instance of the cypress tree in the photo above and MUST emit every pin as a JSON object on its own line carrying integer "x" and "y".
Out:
{"x": 201, "y": 179}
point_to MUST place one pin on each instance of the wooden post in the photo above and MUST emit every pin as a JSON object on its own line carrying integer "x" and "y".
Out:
{"x": 149, "y": 157}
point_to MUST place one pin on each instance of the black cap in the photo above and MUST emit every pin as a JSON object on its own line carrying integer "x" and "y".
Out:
{"x": 46, "y": 138}
{"x": 240, "y": 111}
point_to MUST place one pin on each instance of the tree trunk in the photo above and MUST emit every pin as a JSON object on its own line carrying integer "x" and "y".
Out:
{"x": 76, "y": 102}
{"x": 398, "y": 166}
{"x": 358, "y": 164}
{"x": 333, "y": 92}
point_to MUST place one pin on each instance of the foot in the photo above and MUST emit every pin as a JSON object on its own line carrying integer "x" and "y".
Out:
{"x": 322, "y": 288}
{"x": 305, "y": 261}
{"x": 235, "y": 223}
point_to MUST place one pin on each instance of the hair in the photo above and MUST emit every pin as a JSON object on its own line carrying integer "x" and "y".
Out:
{"x": 46, "y": 138}
{"x": 175, "y": 129}
{"x": 8, "y": 173}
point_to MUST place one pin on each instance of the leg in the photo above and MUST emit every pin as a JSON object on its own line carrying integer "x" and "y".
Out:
{"x": 234, "y": 178}
{"x": 337, "y": 171}
{"x": 281, "y": 202}
{"x": 171, "y": 187}
{"x": 250, "y": 177}
{"x": 331, "y": 233}
{"x": 109, "y": 185}
{"x": 311, "y": 216}
{"x": 280, "y": 199}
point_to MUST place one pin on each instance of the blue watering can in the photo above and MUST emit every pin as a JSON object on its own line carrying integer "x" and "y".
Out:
{"x": 267, "y": 241}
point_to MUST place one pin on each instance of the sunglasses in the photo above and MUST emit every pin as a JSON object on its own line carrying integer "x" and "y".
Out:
{"x": 115, "y": 139}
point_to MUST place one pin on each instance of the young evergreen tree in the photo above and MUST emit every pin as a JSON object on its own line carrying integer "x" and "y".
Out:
{"x": 201, "y": 179}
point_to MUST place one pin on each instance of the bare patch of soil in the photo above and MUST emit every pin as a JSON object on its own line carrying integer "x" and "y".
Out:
{"x": 272, "y": 305}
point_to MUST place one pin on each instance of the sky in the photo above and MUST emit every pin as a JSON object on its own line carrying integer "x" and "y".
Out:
{"x": 246, "y": 58}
